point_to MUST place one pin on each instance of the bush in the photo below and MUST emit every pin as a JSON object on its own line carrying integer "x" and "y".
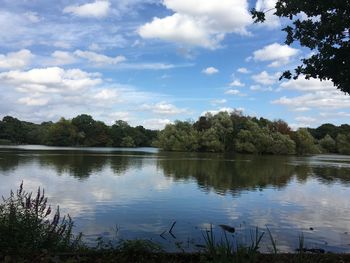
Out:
{"x": 27, "y": 226}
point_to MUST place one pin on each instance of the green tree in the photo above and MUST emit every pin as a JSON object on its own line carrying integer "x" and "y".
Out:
{"x": 180, "y": 136}
{"x": 13, "y": 130}
{"x": 343, "y": 143}
{"x": 305, "y": 143}
{"x": 281, "y": 144}
{"x": 209, "y": 141}
{"x": 62, "y": 133}
{"x": 127, "y": 142}
{"x": 325, "y": 31}
{"x": 328, "y": 144}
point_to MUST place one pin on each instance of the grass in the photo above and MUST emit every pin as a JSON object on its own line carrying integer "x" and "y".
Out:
{"x": 31, "y": 232}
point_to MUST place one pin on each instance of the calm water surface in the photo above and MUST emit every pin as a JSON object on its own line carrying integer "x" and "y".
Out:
{"x": 141, "y": 192}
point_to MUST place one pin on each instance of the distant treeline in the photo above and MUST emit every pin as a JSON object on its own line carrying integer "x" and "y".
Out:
{"x": 82, "y": 130}
{"x": 222, "y": 132}
{"x": 233, "y": 132}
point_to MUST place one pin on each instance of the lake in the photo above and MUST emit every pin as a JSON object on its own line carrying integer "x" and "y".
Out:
{"x": 139, "y": 193}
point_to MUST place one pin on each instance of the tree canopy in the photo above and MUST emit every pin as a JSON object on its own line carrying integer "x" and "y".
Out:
{"x": 323, "y": 27}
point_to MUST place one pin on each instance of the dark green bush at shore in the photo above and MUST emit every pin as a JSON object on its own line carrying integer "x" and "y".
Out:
{"x": 28, "y": 224}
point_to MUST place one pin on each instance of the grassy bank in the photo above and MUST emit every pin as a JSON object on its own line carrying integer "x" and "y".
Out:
{"x": 31, "y": 231}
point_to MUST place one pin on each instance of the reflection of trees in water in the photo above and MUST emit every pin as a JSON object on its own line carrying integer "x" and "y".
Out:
{"x": 84, "y": 165}
{"x": 244, "y": 172}
{"x": 9, "y": 161}
{"x": 223, "y": 173}
{"x": 77, "y": 164}
{"x": 329, "y": 175}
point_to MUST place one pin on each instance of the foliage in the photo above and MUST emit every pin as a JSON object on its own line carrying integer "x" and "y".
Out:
{"x": 82, "y": 130}
{"x": 230, "y": 250}
{"x": 323, "y": 27}
{"x": 343, "y": 143}
{"x": 328, "y": 144}
{"x": 26, "y": 225}
{"x": 305, "y": 143}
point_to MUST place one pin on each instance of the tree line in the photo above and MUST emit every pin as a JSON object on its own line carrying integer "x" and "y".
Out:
{"x": 221, "y": 132}
{"x": 82, "y": 130}
{"x": 233, "y": 132}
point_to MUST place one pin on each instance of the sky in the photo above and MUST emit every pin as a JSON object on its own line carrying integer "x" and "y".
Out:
{"x": 151, "y": 62}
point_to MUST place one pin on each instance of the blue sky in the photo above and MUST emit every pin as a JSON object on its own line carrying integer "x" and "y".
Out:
{"x": 150, "y": 62}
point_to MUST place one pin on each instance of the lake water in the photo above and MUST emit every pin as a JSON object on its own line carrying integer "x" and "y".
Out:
{"x": 141, "y": 192}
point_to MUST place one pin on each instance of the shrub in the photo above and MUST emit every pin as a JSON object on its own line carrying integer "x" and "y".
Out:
{"x": 27, "y": 225}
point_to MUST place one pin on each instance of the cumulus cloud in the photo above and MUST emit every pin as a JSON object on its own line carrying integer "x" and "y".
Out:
{"x": 243, "y": 70}
{"x": 55, "y": 92}
{"x": 278, "y": 54}
{"x": 303, "y": 84}
{"x": 259, "y": 88}
{"x": 199, "y": 23}
{"x": 265, "y": 78}
{"x": 97, "y": 9}
{"x": 49, "y": 80}
{"x": 15, "y": 60}
{"x": 163, "y": 108}
{"x": 318, "y": 99}
{"x": 236, "y": 83}
{"x": 233, "y": 92}
{"x": 210, "y": 71}
{"x": 62, "y": 58}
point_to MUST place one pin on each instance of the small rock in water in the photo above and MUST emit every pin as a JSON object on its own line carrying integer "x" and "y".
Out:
{"x": 311, "y": 228}
{"x": 227, "y": 228}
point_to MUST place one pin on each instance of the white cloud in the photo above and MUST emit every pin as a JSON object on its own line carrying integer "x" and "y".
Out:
{"x": 156, "y": 124}
{"x": 56, "y": 92}
{"x": 163, "y": 108}
{"x": 32, "y": 101}
{"x": 232, "y": 92}
{"x": 218, "y": 102}
{"x": 120, "y": 115}
{"x": 63, "y": 58}
{"x": 151, "y": 66}
{"x": 301, "y": 109}
{"x": 20, "y": 31}
{"x": 97, "y": 9}
{"x": 236, "y": 83}
{"x": 318, "y": 99}
{"x": 99, "y": 59}
{"x": 49, "y": 80}
{"x": 306, "y": 119}
{"x": 259, "y": 88}
{"x": 333, "y": 115}
{"x": 199, "y": 23}
{"x": 278, "y": 54}
{"x": 268, "y": 6}
{"x": 210, "y": 71}
{"x": 16, "y": 60}
{"x": 243, "y": 70}
{"x": 265, "y": 78}
{"x": 303, "y": 84}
